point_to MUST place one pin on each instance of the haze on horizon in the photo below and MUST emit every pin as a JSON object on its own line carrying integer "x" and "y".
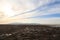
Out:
{"x": 30, "y": 11}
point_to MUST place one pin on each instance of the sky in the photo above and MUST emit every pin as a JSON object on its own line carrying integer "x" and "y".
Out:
{"x": 32, "y": 11}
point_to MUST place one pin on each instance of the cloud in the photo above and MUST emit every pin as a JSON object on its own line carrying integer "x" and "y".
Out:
{"x": 40, "y": 21}
{"x": 34, "y": 11}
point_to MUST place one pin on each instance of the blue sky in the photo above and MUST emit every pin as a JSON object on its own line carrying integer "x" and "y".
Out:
{"x": 57, "y": 15}
{"x": 43, "y": 11}
{"x": 51, "y": 8}
{"x": 35, "y": 11}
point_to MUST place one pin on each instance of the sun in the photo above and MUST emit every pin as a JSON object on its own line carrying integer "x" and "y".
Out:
{"x": 7, "y": 9}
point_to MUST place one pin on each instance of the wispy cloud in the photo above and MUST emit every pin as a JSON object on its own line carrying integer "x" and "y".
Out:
{"x": 34, "y": 11}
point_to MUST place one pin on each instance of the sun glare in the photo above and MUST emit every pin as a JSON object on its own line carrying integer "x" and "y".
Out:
{"x": 7, "y": 8}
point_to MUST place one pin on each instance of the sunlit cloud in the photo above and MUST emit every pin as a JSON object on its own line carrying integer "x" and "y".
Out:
{"x": 30, "y": 11}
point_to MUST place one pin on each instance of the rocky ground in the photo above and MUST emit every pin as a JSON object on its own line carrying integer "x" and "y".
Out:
{"x": 29, "y": 32}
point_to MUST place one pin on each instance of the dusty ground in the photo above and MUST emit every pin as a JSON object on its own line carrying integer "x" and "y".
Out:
{"x": 29, "y": 32}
